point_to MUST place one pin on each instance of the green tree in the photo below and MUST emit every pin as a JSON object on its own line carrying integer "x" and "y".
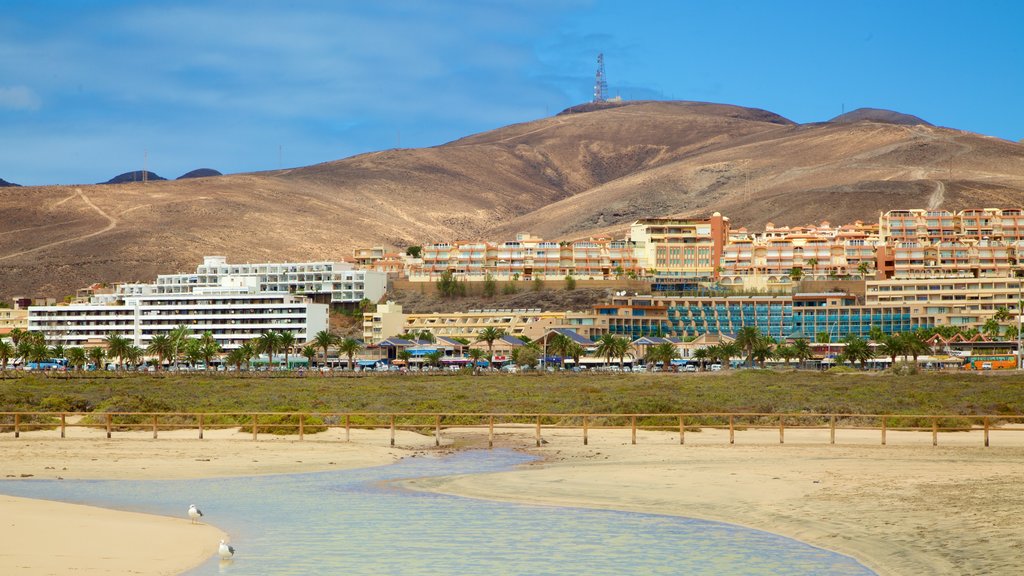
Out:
{"x": 117, "y": 346}
{"x": 77, "y": 358}
{"x": 350, "y": 347}
{"x": 576, "y": 351}
{"x": 864, "y": 268}
{"x": 785, "y": 352}
{"x": 134, "y": 355}
{"x": 747, "y": 339}
{"x": 991, "y": 328}
{"x": 796, "y": 274}
{"x": 856, "y": 350}
{"x": 915, "y": 346}
{"x": 802, "y": 351}
{"x": 763, "y": 350}
{"x": 490, "y": 286}
{"x": 559, "y": 346}
{"x": 1002, "y": 314}
{"x": 475, "y": 356}
{"x": 612, "y": 346}
{"x": 269, "y": 343}
{"x": 892, "y": 346}
{"x": 526, "y": 356}
{"x": 96, "y": 356}
{"x": 162, "y": 347}
{"x": 448, "y": 286}
{"x": 309, "y": 351}
{"x": 404, "y": 356}
{"x": 509, "y": 288}
{"x": 813, "y": 263}
{"x": 434, "y": 358}
{"x": 414, "y": 251}
{"x": 570, "y": 282}
{"x": 489, "y": 335}
{"x": 538, "y": 283}
{"x": 729, "y": 350}
{"x": 209, "y": 347}
{"x": 7, "y": 351}
{"x": 287, "y": 345}
{"x": 323, "y": 340}
{"x": 663, "y": 353}
{"x": 701, "y": 355}
{"x": 179, "y": 335}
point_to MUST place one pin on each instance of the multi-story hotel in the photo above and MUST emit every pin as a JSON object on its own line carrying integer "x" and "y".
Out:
{"x": 326, "y": 282}
{"x": 234, "y": 315}
{"x": 389, "y": 320}
{"x": 961, "y": 302}
{"x": 797, "y": 316}
{"x": 681, "y": 247}
{"x": 13, "y": 318}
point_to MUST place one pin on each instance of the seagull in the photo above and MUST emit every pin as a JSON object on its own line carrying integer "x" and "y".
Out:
{"x": 194, "y": 513}
{"x": 226, "y": 550}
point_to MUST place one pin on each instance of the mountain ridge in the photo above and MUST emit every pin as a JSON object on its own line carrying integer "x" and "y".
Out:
{"x": 562, "y": 177}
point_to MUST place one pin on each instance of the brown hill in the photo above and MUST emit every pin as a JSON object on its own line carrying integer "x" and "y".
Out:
{"x": 565, "y": 176}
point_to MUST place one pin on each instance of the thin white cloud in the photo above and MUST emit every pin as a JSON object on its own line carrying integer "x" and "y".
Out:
{"x": 19, "y": 98}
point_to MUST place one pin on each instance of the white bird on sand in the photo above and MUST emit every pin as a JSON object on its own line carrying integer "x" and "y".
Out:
{"x": 226, "y": 550}
{"x": 194, "y": 513}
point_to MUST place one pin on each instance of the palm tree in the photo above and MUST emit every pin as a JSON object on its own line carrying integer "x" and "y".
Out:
{"x": 117, "y": 346}
{"x": 161, "y": 347}
{"x": 269, "y": 343}
{"x": 178, "y": 336}
{"x": 475, "y": 356}
{"x": 194, "y": 352}
{"x": 404, "y": 356}
{"x": 57, "y": 352}
{"x": 7, "y": 351}
{"x": 209, "y": 346}
{"x": 892, "y": 346}
{"x": 748, "y": 338}
{"x": 813, "y": 263}
{"x": 247, "y": 352}
{"x": 762, "y": 351}
{"x": 857, "y": 350}
{"x": 434, "y": 358}
{"x": 237, "y": 357}
{"x": 576, "y": 351}
{"x": 915, "y": 346}
{"x": 134, "y": 355}
{"x": 728, "y": 351}
{"x": 77, "y": 358}
{"x": 96, "y": 356}
{"x": 324, "y": 339}
{"x": 1002, "y": 314}
{"x": 350, "y": 347}
{"x": 309, "y": 351}
{"x": 287, "y": 342}
{"x": 607, "y": 346}
{"x": 702, "y": 355}
{"x": 665, "y": 353}
{"x": 489, "y": 335}
{"x": 559, "y": 346}
{"x": 863, "y": 268}
{"x": 802, "y": 351}
{"x": 991, "y": 328}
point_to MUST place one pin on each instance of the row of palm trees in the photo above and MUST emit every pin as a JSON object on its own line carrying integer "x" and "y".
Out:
{"x": 178, "y": 345}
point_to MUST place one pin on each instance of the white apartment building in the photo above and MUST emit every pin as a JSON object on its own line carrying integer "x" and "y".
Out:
{"x": 234, "y": 315}
{"x": 333, "y": 282}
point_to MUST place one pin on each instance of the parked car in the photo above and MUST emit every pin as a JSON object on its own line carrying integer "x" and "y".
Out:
{"x": 716, "y": 367}
{"x": 690, "y": 368}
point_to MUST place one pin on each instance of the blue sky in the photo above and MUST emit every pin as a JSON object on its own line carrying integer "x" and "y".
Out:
{"x": 88, "y": 88}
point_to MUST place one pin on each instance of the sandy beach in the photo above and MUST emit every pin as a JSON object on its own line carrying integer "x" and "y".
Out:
{"x": 901, "y": 509}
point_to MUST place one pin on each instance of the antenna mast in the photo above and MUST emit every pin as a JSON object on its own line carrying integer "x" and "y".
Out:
{"x": 600, "y": 81}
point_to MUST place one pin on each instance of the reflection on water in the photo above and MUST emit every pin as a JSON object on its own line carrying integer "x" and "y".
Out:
{"x": 353, "y": 522}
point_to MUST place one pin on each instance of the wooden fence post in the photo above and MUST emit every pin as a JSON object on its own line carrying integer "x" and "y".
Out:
{"x": 986, "y": 431}
{"x": 935, "y": 431}
{"x": 302, "y": 426}
{"x": 538, "y": 431}
{"x": 200, "y": 426}
{"x": 490, "y": 432}
{"x": 682, "y": 431}
{"x": 633, "y": 421}
{"x": 347, "y": 427}
{"x": 585, "y": 439}
{"x": 883, "y": 430}
{"x": 109, "y": 418}
{"x": 17, "y": 423}
{"x": 732, "y": 432}
{"x": 782, "y": 429}
{"x": 255, "y": 426}
{"x": 832, "y": 429}
{"x": 63, "y": 424}
{"x": 437, "y": 430}
{"x": 392, "y": 429}
{"x": 154, "y": 426}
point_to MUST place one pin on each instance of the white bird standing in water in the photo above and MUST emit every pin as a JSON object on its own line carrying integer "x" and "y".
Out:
{"x": 194, "y": 513}
{"x": 226, "y": 550}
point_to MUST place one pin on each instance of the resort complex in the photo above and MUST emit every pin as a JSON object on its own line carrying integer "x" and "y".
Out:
{"x": 674, "y": 280}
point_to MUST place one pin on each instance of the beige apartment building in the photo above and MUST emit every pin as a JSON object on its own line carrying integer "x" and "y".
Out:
{"x": 961, "y": 302}
{"x": 389, "y": 320}
{"x": 681, "y": 247}
{"x": 12, "y": 318}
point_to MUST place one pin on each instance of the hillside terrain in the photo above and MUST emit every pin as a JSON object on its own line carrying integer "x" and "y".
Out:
{"x": 576, "y": 174}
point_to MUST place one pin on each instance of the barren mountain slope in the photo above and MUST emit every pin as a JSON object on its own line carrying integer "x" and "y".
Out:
{"x": 799, "y": 175}
{"x": 58, "y": 238}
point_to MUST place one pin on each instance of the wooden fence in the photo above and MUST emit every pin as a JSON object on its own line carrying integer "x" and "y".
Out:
{"x": 302, "y": 423}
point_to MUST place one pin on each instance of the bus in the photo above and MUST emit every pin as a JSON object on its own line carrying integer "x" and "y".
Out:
{"x": 1008, "y": 362}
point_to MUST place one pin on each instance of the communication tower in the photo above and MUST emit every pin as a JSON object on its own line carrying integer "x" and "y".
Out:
{"x": 601, "y": 81}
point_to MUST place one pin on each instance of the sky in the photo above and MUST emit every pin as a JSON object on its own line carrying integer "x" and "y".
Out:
{"x": 92, "y": 89}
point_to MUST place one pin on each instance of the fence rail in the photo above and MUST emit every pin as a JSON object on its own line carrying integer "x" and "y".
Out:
{"x": 302, "y": 423}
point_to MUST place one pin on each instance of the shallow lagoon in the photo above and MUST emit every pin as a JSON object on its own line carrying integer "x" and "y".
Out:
{"x": 356, "y": 522}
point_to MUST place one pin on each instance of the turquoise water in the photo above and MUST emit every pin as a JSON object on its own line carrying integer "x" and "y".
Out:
{"x": 355, "y": 522}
